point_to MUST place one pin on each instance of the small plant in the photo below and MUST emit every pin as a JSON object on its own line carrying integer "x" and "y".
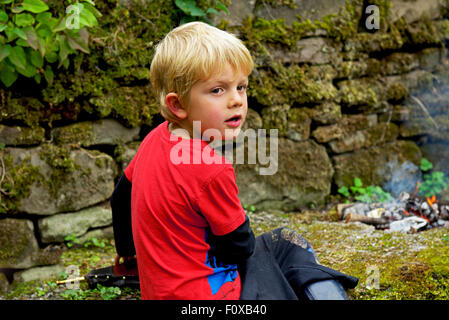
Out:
{"x": 108, "y": 293}
{"x": 74, "y": 294}
{"x": 364, "y": 194}
{"x": 190, "y": 11}
{"x": 95, "y": 242}
{"x": 433, "y": 182}
{"x": 71, "y": 240}
{"x": 249, "y": 208}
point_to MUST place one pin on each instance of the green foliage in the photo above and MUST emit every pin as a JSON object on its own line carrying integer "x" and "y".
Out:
{"x": 364, "y": 194}
{"x": 193, "y": 10}
{"x": 108, "y": 293}
{"x": 95, "y": 242}
{"x": 71, "y": 240}
{"x": 249, "y": 208}
{"x": 426, "y": 165}
{"x": 32, "y": 39}
{"x": 434, "y": 182}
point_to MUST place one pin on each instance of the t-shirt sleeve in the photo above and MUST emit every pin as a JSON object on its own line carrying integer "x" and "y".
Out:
{"x": 218, "y": 202}
{"x": 129, "y": 169}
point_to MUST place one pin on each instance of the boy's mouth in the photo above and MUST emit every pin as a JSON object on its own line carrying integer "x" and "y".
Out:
{"x": 234, "y": 121}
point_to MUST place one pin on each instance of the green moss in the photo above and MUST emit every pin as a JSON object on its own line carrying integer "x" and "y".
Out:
{"x": 62, "y": 164}
{"x": 287, "y": 85}
{"x": 16, "y": 181}
{"x": 79, "y": 133}
{"x": 397, "y": 92}
{"x": 354, "y": 93}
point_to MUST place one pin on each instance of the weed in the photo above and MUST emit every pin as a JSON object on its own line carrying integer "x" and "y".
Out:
{"x": 364, "y": 194}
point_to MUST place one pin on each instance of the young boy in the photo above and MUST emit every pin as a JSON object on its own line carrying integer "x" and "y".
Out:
{"x": 190, "y": 233}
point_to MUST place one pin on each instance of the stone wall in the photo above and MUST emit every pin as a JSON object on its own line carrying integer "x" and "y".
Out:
{"x": 347, "y": 103}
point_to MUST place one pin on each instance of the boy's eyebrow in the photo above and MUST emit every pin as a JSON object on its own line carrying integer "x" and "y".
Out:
{"x": 225, "y": 81}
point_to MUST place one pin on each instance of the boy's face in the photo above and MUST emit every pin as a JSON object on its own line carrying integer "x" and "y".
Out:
{"x": 219, "y": 103}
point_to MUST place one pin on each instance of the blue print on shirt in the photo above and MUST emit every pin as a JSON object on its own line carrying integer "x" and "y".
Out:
{"x": 222, "y": 272}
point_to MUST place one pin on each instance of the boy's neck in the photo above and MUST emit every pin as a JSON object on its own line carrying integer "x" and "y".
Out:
{"x": 183, "y": 132}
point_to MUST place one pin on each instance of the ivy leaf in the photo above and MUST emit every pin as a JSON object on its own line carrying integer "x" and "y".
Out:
{"x": 87, "y": 18}
{"x": 211, "y": 11}
{"x": 64, "y": 50}
{"x": 222, "y": 7}
{"x": 77, "y": 42}
{"x": 189, "y": 7}
{"x": 24, "y": 19}
{"x": 32, "y": 38}
{"x": 5, "y": 1}
{"x": 18, "y": 57}
{"x": 8, "y": 74}
{"x": 35, "y": 6}
{"x": 5, "y": 51}
{"x": 49, "y": 75}
{"x": 20, "y": 33}
{"x": 29, "y": 71}
{"x": 3, "y": 16}
{"x": 36, "y": 59}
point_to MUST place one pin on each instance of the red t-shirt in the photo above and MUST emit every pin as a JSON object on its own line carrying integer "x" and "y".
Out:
{"x": 177, "y": 198}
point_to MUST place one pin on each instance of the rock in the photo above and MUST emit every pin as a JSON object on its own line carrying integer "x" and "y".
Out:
{"x": 347, "y": 124}
{"x": 19, "y": 248}
{"x": 253, "y": 120}
{"x": 399, "y": 63}
{"x": 307, "y": 9}
{"x": 124, "y": 153}
{"x": 437, "y": 153}
{"x": 369, "y": 164}
{"x": 67, "y": 180}
{"x": 20, "y": 136}
{"x": 4, "y": 284}
{"x": 276, "y": 117}
{"x": 378, "y": 134}
{"x": 298, "y": 127}
{"x": 430, "y": 58}
{"x": 105, "y": 131}
{"x": 38, "y": 273}
{"x": 57, "y": 227}
{"x": 412, "y": 11}
{"x": 358, "y": 68}
{"x": 102, "y": 233}
{"x": 315, "y": 50}
{"x": 303, "y": 176}
{"x": 238, "y": 11}
{"x": 325, "y": 113}
{"x": 358, "y": 92}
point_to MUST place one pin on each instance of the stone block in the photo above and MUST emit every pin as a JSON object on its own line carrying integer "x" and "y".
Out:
{"x": 90, "y": 133}
{"x": 67, "y": 179}
{"x": 57, "y": 227}
{"x": 21, "y": 136}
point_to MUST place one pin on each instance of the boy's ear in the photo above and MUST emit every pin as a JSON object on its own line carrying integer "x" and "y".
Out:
{"x": 174, "y": 104}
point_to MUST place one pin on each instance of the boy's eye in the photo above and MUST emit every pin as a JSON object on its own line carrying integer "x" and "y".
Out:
{"x": 242, "y": 87}
{"x": 217, "y": 90}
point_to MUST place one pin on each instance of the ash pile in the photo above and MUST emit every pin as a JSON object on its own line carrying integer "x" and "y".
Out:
{"x": 408, "y": 213}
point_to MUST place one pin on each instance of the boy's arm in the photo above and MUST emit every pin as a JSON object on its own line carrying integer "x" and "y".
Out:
{"x": 236, "y": 246}
{"x": 121, "y": 218}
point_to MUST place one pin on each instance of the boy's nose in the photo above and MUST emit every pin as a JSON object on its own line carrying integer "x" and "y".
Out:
{"x": 236, "y": 100}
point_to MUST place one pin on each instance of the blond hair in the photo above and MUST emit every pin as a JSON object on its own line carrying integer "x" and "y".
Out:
{"x": 191, "y": 52}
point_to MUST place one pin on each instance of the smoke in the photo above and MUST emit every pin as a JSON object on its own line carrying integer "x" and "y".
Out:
{"x": 401, "y": 177}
